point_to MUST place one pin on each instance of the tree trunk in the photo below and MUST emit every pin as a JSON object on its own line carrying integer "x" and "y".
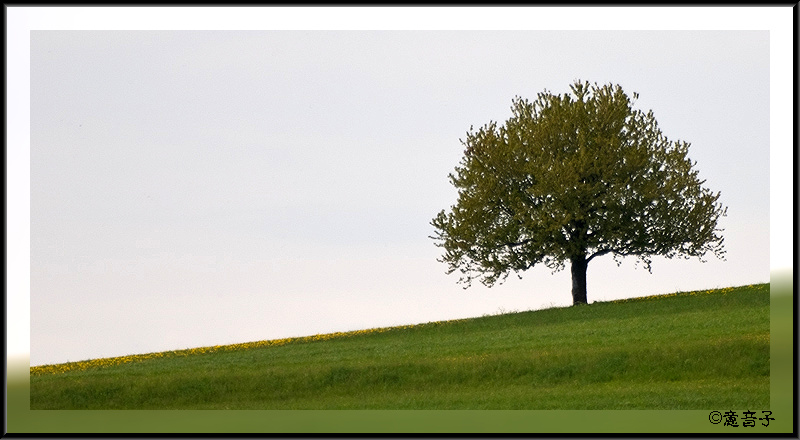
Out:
{"x": 579, "y": 265}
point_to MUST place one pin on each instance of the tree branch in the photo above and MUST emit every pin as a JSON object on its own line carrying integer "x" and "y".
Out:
{"x": 517, "y": 244}
{"x": 599, "y": 253}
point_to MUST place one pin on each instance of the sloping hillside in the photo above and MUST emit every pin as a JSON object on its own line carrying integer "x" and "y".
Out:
{"x": 693, "y": 350}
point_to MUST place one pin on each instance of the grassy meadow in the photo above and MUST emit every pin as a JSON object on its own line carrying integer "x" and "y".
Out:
{"x": 689, "y": 350}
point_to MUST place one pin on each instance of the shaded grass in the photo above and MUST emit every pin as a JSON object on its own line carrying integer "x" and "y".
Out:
{"x": 694, "y": 350}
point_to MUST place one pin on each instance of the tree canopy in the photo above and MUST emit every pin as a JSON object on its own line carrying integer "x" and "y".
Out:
{"x": 570, "y": 178}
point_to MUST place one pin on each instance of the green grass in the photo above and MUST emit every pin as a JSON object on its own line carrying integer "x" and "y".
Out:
{"x": 694, "y": 350}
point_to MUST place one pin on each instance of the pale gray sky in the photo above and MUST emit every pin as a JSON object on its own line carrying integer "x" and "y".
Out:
{"x": 193, "y": 188}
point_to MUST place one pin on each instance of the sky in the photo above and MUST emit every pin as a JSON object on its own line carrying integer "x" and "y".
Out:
{"x": 203, "y": 187}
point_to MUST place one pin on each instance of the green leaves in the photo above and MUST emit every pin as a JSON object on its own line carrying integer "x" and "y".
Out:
{"x": 574, "y": 175}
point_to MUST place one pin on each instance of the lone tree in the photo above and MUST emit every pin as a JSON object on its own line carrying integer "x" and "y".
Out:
{"x": 571, "y": 178}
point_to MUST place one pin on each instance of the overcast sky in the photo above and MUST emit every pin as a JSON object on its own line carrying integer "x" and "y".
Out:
{"x": 192, "y": 188}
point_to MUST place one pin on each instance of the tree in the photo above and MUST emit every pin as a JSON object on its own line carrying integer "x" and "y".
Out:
{"x": 572, "y": 178}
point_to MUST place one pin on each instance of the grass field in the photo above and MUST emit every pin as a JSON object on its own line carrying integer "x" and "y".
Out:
{"x": 692, "y": 350}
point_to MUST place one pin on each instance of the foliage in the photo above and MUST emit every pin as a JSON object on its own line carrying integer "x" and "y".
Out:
{"x": 571, "y": 178}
